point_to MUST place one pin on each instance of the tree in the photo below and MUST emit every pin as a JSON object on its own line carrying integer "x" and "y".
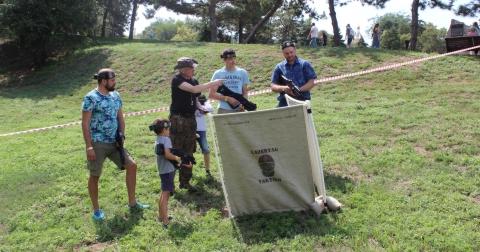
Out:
{"x": 401, "y": 26}
{"x": 115, "y": 17}
{"x": 185, "y": 33}
{"x": 212, "y": 4}
{"x": 133, "y": 17}
{"x": 423, "y": 4}
{"x": 162, "y": 29}
{"x": 432, "y": 39}
{"x": 288, "y": 26}
{"x": 37, "y": 25}
{"x": 107, "y": 7}
{"x": 292, "y": 10}
{"x": 264, "y": 19}
{"x": 224, "y": 17}
{"x": 470, "y": 9}
{"x": 333, "y": 14}
{"x": 391, "y": 39}
{"x": 199, "y": 8}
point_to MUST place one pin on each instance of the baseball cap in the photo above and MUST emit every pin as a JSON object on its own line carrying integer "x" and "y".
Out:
{"x": 185, "y": 62}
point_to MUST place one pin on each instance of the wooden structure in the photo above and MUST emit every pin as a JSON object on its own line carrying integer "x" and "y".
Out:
{"x": 457, "y": 39}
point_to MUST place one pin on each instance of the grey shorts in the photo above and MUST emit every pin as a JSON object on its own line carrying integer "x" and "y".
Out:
{"x": 106, "y": 150}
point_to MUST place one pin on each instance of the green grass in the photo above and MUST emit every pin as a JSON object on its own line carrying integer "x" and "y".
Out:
{"x": 400, "y": 150}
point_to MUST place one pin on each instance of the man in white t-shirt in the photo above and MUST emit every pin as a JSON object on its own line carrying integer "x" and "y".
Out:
{"x": 313, "y": 35}
{"x": 234, "y": 78}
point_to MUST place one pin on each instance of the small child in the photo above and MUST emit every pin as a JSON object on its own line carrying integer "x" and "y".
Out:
{"x": 166, "y": 169}
{"x": 202, "y": 109}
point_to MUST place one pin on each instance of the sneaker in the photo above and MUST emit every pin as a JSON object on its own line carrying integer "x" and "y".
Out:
{"x": 138, "y": 206}
{"x": 98, "y": 215}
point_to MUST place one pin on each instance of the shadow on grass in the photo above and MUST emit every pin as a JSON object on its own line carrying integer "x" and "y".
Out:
{"x": 203, "y": 200}
{"x": 270, "y": 227}
{"x": 337, "y": 183}
{"x": 63, "y": 77}
{"x": 117, "y": 226}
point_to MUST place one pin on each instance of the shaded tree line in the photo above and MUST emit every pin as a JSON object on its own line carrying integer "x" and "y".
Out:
{"x": 40, "y": 27}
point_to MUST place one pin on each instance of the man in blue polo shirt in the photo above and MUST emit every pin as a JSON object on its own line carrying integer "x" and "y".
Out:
{"x": 294, "y": 68}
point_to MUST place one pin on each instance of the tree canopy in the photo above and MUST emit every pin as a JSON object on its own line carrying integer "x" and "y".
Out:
{"x": 469, "y": 9}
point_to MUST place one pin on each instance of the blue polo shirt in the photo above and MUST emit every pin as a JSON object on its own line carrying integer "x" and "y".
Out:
{"x": 301, "y": 71}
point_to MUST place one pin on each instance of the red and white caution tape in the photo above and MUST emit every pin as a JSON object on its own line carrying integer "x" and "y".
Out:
{"x": 266, "y": 90}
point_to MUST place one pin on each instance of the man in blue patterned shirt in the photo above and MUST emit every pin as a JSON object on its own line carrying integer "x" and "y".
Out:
{"x": 102, "y": 116}
{"x": 296, "y": 69}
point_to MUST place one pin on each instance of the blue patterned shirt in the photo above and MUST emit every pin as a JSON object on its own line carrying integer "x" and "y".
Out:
{"x": 104, "y": 108}
{"x": 301, "y": 71}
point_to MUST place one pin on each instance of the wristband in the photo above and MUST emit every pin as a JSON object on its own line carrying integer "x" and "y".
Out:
{"x": 90, "y": 148}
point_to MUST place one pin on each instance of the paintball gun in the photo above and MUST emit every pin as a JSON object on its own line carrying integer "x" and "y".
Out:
{"x": 250, "y": 106}
{"x": 295, "y": 90}
{"x": 186, "y": 158}
{"x": 120, "y": 139}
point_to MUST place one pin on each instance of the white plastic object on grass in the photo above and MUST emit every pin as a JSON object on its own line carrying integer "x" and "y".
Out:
{"x": 333, "y": 204}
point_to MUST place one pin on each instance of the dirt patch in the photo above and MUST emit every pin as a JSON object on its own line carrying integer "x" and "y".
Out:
{"x": 333, "y": 249}
{"x": 375, "y": 245}
{"x": 422, "y": 151}
{"x": 461, "y": 168}
{"x": 3, "y": 229}
{"x": 403, "y": 185}
{"x": 94, "y": 247}
{"x": 476, "y": 199}
{"x": 353, "y": 173}
{"x": 415, "y": 66}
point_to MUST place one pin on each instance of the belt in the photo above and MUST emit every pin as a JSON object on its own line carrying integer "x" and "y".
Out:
{"x": 183, "y": 114}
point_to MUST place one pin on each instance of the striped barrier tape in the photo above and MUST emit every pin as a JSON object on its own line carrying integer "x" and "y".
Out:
{"x": 264, "y": 91}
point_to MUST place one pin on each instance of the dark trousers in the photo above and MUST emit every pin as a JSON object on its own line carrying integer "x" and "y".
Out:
{"x": 182, "y": 134}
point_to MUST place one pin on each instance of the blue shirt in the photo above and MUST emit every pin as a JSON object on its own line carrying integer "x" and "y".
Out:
{"x": 234, "y": 80}
{"x": 104, "y": 108}
{"x": 301, "y": 71}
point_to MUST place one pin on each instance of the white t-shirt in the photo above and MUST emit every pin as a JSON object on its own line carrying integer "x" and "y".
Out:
{"x": 200, "y": 117}
{"x": 314, "y": 32}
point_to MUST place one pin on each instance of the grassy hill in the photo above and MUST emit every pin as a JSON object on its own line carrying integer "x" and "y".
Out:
{"x": 400, "y": 149}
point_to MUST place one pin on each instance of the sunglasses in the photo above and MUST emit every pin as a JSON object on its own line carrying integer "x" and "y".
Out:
{"x": 104, "y": 76}
{"x": 288, "y": 44}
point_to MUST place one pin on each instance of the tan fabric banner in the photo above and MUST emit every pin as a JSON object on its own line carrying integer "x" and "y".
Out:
{"x": 265, "y": 160}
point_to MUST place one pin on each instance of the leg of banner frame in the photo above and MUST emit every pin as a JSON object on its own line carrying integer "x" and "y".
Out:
{"x": 331, "y": 203}
{"x": 217, "y": 157}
